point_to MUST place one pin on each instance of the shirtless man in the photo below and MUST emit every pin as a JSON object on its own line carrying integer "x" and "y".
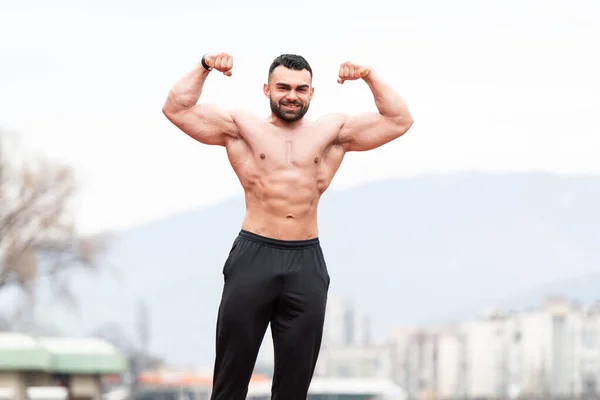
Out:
{"x": 275, "y": 272}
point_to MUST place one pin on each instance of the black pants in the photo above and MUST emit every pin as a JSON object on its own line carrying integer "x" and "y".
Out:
{"x": 281, "y": 282}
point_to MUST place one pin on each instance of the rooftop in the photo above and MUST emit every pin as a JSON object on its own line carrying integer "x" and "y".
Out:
{"x": 65, "y": 355}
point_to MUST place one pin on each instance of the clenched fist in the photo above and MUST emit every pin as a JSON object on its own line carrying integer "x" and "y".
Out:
{"x": 222, "y": 62}
{"x": 350, "y": 72}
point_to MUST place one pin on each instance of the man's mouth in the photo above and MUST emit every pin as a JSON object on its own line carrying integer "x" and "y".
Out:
{"x": 291, "y": 106}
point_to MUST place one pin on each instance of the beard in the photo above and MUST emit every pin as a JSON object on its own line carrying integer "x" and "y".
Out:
{"x": 288, "y": 115}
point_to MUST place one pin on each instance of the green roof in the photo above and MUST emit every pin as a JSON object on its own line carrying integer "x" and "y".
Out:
{"x": 84, "y": 356}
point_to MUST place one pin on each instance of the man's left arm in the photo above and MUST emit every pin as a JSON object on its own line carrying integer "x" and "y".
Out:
{"x": 371, "y": 130}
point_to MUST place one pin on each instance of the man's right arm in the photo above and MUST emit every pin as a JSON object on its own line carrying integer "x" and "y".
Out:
{"x": 205, "y": 123}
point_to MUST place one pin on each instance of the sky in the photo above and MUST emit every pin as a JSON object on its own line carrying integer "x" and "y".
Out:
{"x": 493, "y": 86}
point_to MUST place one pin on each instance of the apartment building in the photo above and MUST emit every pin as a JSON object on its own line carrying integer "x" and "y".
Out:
{"x": 346, "y": 349}
{"x": 415, "y": 356}
{"x": 553, "y": 350}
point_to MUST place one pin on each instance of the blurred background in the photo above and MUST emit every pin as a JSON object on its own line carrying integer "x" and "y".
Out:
{"x": 464, "y": 257}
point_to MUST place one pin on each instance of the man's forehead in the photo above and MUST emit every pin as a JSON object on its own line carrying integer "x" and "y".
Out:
{"x": 290, "y": 77}
{"x": 300, "y": 85}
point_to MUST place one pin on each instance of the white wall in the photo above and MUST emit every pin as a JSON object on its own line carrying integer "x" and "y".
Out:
{"x": 451, "y": 363}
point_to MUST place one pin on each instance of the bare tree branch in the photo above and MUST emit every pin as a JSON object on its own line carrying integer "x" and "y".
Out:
{"x": 38, "y": 235}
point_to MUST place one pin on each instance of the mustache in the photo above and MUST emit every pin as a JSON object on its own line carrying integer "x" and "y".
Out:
{"x": 291, "y": 103}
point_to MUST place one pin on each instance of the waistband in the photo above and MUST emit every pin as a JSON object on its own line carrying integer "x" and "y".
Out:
{"x": 286, "y": 244}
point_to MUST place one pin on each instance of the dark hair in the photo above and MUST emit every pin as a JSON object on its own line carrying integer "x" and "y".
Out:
{"x": 291, "y": 61}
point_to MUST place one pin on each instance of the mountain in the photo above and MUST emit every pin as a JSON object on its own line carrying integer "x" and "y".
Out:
{"x": 414, "y": 250}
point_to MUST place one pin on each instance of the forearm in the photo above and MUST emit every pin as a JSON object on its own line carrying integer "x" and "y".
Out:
{"x": 186, "y": 92}
{"x": 388, "y": 102}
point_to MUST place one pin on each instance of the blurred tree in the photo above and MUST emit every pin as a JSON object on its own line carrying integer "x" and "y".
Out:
{"x": 136, "y": 351}
{"x": 38, "y": 235}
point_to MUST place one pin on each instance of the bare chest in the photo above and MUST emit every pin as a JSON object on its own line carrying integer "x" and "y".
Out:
{"x": 269, "y": 148}
{"x": 287, "y": 152}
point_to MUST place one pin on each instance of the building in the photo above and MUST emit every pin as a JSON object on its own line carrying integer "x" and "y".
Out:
{"x": 451, "y": 366}
{"x": 30, "y": 364}
{"x": 344, "y": 326}
{"x": 550, "y": 351}
{"x": 587, "y": 370}
{"x": 414, "y": 359}
{"x": 355, "y": 362}
{"x": 499, "y": 355}
{"x": 484, "y": 355}
{"x": 346, "y": 349}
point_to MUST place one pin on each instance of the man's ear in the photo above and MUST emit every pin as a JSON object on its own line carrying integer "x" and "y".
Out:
{"x": 266, "y": 90}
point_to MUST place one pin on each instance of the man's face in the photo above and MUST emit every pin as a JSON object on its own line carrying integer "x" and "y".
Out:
{"x": 289, "y": 92}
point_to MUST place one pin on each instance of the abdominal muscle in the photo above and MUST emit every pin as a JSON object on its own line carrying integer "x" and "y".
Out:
{"x": 282, "y": 204}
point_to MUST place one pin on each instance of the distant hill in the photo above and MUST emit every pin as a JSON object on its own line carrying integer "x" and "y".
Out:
{"x": 423, "y": 249}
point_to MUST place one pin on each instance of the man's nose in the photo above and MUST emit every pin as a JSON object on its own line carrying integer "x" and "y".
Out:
{"x": 292, "y": 95}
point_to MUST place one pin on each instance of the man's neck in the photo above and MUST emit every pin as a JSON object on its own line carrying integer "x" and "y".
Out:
{"x": 275, "y": 120}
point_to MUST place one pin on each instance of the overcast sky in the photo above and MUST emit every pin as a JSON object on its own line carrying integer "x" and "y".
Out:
{"x": 493, "y": 86}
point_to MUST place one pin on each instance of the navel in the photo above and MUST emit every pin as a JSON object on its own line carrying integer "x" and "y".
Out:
{"x": 316, "y": 160}
{"x": 262, "y": 156}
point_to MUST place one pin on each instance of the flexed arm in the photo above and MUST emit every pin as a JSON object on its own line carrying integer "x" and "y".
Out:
{"x": 205, "y": 123}
{"x": 371, "y": 130}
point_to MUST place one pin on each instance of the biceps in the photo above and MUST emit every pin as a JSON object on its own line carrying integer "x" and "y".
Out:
{"x": 368, "y": 131}
{"x": 205, "y": 123}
